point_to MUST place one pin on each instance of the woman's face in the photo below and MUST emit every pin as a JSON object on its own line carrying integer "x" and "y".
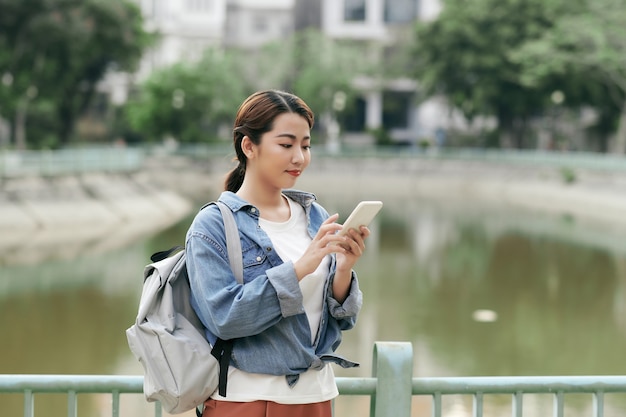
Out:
{"x": 284, "y": 152}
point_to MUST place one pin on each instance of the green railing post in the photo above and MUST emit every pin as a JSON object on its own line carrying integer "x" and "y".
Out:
{"x": 392, "y": 366}
{"x": 72, "y": 404}
{"x": 29, "y": 403}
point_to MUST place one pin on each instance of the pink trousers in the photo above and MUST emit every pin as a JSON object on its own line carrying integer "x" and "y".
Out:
{"x": 213, "y": 408}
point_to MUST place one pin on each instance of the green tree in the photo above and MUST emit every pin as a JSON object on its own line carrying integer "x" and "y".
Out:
{"x": 188, "y": 101}
{"x": 588, "y": 45}
{"x": 464, "y": 55}
{"x": 314, "y": 66}
{"x": 325, "y": 70}
{"x": 54, "y": 52}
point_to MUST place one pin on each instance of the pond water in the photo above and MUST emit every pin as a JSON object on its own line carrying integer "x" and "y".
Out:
{"x": 478, "y": 291}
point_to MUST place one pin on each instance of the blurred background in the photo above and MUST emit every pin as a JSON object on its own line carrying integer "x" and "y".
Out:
{"x": 493, "y": 130}
{"x": 499, "y": 74}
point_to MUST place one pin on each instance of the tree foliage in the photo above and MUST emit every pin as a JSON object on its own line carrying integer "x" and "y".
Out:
{"x": 314, "y": 66}
{"x": 325, "y": 70}
{"x": 189, "y": 100}
{"x": 587, "y": 45}
{"x": 465, "y": 55}
{"x": 54, "y": 52}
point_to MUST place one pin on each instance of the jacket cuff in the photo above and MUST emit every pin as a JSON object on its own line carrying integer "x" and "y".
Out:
{"x": 351, "y": 305}
{"x": 283, "y": 279}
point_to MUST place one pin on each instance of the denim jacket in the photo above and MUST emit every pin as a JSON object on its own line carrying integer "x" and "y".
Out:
{"x": 265, "y": 315}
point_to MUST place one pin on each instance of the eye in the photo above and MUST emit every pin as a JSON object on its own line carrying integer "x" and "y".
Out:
{"x": 286, "y": 145}
{"x": 306, "y": 147}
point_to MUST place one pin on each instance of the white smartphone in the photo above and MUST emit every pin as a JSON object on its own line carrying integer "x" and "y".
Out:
{"x": 362, "y": 215}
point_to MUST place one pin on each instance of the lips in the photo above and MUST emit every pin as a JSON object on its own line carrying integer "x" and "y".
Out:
{"x": 294, "y": 173}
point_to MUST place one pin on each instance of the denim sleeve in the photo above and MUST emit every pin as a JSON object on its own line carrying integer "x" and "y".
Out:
{"x": 346, "y": 312}
{"x": 285, "y": 282}
{"x": 231, "y": 310}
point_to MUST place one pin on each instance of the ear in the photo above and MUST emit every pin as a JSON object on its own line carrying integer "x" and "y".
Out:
{"x": 248, "y": 147}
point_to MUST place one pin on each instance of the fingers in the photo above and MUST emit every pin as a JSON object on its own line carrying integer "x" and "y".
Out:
{"x": 321, "y": 246}
{"x": 327, "y": 232}
{"x": 358, "y": 239}
{"x": 331, "y": 219}
{"x": 354, "y": 241}
{"x": 329, "y": 226}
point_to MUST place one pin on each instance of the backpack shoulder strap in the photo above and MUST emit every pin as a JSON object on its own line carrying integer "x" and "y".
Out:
{"x": 223, "y": 348}
{"x": 233, "y": 244}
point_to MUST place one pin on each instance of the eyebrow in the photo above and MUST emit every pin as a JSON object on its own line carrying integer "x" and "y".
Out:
{"x": 291, "y": 136}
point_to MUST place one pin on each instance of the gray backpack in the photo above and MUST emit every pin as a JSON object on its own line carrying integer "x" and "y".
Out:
{"x": 181, "y": 368}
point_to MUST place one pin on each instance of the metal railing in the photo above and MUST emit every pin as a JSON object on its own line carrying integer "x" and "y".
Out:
{"x": 69, "y": 161}
{"x": 517, "y": 387}
{"x": 391, "y": 387}
{"x": 529, "y": 157}
{"x": 124, "y": 159}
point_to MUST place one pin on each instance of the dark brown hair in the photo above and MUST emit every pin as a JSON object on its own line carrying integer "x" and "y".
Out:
{"x": 255, "y": 117}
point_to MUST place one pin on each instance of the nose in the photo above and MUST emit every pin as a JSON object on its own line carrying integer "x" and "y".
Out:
{"x": 297, "y": 157}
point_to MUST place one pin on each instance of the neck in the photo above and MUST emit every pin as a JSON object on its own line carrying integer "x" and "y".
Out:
{"x": 271, "y": 204}
{"x": 261, "y": 197}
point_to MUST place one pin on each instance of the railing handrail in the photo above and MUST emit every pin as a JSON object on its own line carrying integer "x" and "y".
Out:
{"x": 391, "y": 387}
{"x": 124, "y": 159}
{"x": 579, "y": 384}
{"x": 133, "y": 384}
{"x": 50, "y": 163}
{"x": 86, "y": 384}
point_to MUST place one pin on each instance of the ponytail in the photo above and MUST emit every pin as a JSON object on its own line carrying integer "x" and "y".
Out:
{"x": 234, "y": 180}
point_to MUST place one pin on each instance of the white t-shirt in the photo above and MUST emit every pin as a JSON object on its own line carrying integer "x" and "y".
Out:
{"x": 290, "y": 240}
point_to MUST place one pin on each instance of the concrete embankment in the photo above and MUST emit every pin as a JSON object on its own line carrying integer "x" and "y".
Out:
{"x": 587, "y": 194}
{"x": 64, "y": 216}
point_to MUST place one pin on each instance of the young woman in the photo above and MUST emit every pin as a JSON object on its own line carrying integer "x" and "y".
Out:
{"x": 299, "y": 291}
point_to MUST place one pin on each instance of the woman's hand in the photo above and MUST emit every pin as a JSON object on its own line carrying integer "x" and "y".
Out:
{"x": 325, "y": 242}
{"x": 354, "y": 246}
{"x": 348, "y": 248}
{"x": 352, "y": 251}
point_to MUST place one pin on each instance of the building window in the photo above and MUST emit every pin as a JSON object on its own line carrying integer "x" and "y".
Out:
{"x": 260, "y": 23}
{"x": 401, "y": 11}
{"x": 198, "y": 6}
{"x": 354, "y": 10}
{"x": 396, "y": 106}
{"x": 352, "y": 119}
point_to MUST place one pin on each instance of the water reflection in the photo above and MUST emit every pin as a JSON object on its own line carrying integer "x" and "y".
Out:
{"x": 556, "y": 288}
{"x": 554, "y": 303}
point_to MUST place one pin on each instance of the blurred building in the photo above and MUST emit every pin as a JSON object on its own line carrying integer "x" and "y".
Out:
{"x": 384, "y": 27}
{"x": 252, "y": 23}
{"x": 188, "y": 27}
{"x": 379, "y": 25}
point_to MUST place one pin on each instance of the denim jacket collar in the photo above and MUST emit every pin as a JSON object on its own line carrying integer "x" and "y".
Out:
{"x": 237, "y": 203}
